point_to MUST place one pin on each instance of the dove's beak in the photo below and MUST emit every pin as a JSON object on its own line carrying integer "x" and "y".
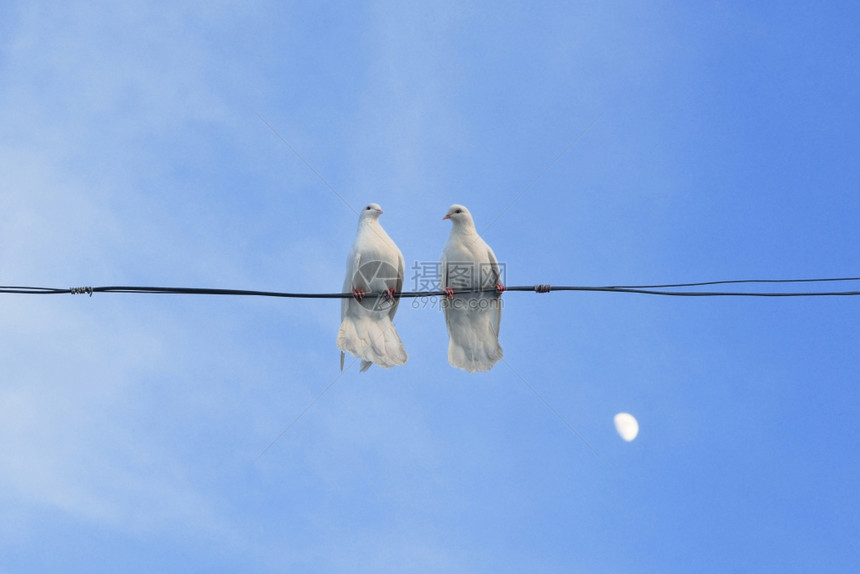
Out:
{"x": 380, "y": 211}
{"x": 447, "y": 216}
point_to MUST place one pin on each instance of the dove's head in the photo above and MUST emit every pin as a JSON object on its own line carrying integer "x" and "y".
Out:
{"x": 459, "y": 216}
{"x": 371, "y": 210}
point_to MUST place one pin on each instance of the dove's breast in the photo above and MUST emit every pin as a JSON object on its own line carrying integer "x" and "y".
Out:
{"x": 466, "y": 261}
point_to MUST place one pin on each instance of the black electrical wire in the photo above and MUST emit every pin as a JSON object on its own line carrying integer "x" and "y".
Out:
{"x": 665, "y": 290}
{"x": 737, "y": 281}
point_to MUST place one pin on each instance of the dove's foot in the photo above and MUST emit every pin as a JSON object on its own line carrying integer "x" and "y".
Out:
{"x": 449, "y": 292}
{"x": 389, "y": 294}
{"x": 358, "y": 294}
{"x": 500, "y": 288}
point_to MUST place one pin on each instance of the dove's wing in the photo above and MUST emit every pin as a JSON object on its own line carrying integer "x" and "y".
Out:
{"x": 398, "y": 284}
{"x": 352, "y": 264}
{"x": 495, "y": 309}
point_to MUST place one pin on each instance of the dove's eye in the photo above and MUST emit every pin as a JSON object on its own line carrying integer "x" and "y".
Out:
{"x": 367, "y": 208}
{"x": 459, "y": 211}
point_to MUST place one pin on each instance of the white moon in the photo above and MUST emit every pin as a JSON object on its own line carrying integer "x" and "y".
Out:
{"x": 626, "y": 426}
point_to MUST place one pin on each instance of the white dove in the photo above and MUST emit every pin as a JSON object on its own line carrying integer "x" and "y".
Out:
{"x": 472, "y": 318}
{"x": 375, "y": 265}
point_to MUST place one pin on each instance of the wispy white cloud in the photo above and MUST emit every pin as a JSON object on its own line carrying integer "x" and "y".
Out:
{"x": 71, "y": 430}
{"x": 90, "y": 93}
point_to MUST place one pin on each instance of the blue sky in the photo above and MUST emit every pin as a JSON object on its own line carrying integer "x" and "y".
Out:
{"x": 595, "y": 143}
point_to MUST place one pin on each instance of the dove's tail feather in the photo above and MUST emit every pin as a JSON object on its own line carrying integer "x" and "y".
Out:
{"x": 474, "y": 357}
{"x": 474, "y": 338}
{"x": 372, "y": 339}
